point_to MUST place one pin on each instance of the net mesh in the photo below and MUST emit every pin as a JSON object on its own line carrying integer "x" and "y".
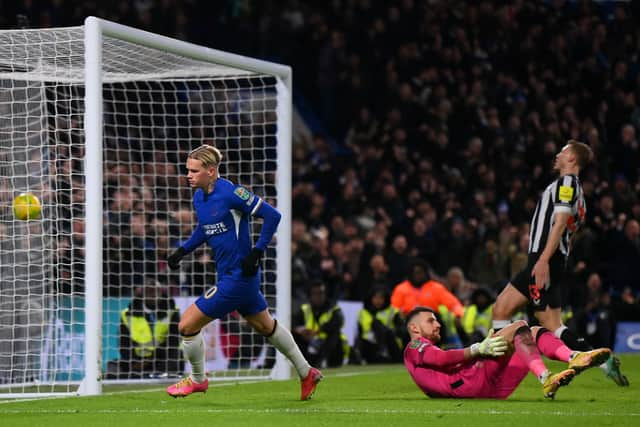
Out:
{"x": 157, "y": 107}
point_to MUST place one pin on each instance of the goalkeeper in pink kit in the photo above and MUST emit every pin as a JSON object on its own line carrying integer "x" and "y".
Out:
{"x": 492, "y": 368}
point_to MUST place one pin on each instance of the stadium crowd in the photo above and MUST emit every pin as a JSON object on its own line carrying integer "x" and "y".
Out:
{"x": 439, "y": 123}
{"x": 451, "y": 115}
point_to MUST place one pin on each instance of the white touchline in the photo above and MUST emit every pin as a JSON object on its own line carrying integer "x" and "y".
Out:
{"x": 426, "y": 411}
{"x": 156, "y": 390}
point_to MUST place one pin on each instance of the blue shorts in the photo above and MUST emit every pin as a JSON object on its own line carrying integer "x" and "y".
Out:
{"x": 233, "y": 292}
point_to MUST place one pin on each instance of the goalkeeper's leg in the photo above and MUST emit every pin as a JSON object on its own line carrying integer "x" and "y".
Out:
{"x": 519, "y": 335}
{"x": 527, "y": 351}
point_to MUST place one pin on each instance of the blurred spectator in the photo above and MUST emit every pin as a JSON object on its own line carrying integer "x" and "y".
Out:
{"x": 420, "y": 290}
{"x": 478, "y": 315}
{"x": 149, "y": 336}
{"x": 380, "y": 329}
{"x": 397, "y": 258}
{"x": 242, "y": 347}
{"x": 487, "y": 265}
{"x": 518, "y": 254}
{"x": 458, "y": 285}
{"x": 362, "y": 132}
{"x": 422, "y": 240}
{"x": 627, "y": 306}
{"x": 625, "y": 269}
{"x": 317, "y": 328}
{"x": 627, "y": 153}
{"x": 184, "y": 220}
{"x": 454, "y": 246}
{"x": 595, "y": 319}
{"x": 372, "y": 274}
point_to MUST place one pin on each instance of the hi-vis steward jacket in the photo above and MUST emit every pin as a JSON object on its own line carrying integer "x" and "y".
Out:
{"x": 146, "y": 333}
{"x": 386, "y": 316}
{"x": 316, "y": 324}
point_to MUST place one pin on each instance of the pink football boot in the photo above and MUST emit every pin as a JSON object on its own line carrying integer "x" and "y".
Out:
{"x": 187, "y": 386}
{"x": 309, "y": 384}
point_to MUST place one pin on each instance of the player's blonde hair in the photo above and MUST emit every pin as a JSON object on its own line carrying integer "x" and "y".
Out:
{"x": 207, "y": 154}
{"x": 584, "y": 154}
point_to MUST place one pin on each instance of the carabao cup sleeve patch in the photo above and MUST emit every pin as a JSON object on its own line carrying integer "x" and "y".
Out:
{"x": 242, "y": 192}
{"x": 414, "y": 344}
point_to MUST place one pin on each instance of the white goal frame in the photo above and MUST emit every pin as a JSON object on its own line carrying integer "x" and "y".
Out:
{"x": 94, "y": 30}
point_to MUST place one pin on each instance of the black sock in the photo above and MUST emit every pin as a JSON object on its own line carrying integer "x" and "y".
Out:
{"x": 574, "y": 342}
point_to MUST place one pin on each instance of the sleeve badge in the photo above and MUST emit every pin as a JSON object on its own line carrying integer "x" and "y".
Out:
{"x": 242, "y": 193}
{"x": 415, "y": 344}
{"x": 565, "y": 194}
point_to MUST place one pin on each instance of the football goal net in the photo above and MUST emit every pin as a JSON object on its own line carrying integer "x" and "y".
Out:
{"x": 97, "y": 121}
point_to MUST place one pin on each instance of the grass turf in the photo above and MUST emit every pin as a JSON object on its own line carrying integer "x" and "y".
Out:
{"x": 349, "y": 396}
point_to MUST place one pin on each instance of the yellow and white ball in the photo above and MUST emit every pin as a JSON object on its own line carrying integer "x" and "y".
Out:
{"x": 26, "y": 206}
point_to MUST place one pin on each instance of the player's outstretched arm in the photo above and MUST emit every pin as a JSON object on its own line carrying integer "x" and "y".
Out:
{"x": 174, "y": 259}
{"x": 197, "y": 238}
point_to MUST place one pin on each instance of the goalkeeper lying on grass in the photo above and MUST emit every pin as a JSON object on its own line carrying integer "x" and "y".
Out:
{"x": 492, "y": 368}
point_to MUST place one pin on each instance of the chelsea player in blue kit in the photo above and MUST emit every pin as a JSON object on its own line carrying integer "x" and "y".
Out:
{"x": 223, "y": 210}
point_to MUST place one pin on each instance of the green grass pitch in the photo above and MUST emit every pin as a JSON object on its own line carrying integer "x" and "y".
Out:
{"x": 349, "y": 396}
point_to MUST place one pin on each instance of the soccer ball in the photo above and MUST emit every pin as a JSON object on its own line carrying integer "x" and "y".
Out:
{"x": 26, "y": 206}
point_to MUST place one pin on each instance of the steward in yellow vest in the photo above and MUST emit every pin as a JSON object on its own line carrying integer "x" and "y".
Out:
{"x": 450, "y": 329}
{"x": 317, "y": 329}
{"x": 149, "y": 336}
{"x": 380, "y": 329}
{"x": 477, "y": 318}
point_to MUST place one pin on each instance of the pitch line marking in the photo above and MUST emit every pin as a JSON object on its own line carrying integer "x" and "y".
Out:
{"x": 310, "y": 411}
{"x": 157, "y": 390}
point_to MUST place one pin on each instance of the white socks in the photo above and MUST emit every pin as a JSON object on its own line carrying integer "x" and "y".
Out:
{"x": 193, "y": 348}
{"x": 499, "y": 324}
{"x": 558, "y": 332}
{"x": 543, "y": 376}
{"x": 283, "y": 341}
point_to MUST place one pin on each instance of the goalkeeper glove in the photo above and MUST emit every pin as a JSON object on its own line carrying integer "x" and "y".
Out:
{"x": 490, "y": 346}
{"x": 251, "y": 262}
{"x": 174, "y": 259}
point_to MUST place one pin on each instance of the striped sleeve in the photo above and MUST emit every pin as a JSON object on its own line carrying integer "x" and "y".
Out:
{"x": 540, "y": 224}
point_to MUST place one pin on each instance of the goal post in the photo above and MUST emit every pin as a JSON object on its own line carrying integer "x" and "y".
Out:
{"x": 96, "y": 121}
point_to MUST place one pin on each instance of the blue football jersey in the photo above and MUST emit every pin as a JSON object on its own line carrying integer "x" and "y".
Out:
{"x": 223, "y": 223}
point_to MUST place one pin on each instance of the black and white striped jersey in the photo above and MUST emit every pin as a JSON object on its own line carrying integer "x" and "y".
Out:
{"x": 562, "y": 195}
